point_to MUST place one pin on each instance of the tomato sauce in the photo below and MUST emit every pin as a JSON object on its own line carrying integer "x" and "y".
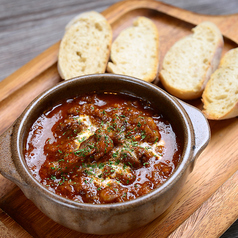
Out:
{"x": 102, "y": 148}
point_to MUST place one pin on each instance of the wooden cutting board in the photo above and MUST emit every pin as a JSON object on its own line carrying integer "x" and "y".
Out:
{"x": 208, "y": 203}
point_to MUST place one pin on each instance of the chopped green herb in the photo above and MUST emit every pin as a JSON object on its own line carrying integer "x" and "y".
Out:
{"x": 53, "y": 177}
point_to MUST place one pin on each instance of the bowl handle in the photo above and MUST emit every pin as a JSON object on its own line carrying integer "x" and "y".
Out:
{"x": 200, "y": 126}
{"x": 7, "y": 165}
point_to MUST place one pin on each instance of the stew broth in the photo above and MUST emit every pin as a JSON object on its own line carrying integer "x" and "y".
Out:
{"x": 102, "y": 148}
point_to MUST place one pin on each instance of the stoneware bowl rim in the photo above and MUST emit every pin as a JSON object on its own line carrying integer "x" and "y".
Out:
{"x": 186, "y": 159}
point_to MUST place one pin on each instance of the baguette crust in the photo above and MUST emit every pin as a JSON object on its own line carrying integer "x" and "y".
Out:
{"x": 189, "y": 63}
{"x": 85, "y": 47}
{"x": 135, "y": 52}
{"x": 220, "y": 96}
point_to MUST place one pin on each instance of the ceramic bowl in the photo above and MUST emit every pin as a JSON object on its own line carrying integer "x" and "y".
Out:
{"x": 110, "y": 218}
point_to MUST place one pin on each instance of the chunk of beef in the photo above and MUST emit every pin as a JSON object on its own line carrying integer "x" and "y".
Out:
{"x": 103, "y": 145}
{"x": 68, "y": 127}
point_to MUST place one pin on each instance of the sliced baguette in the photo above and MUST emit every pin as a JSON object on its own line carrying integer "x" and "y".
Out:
{"x": 85, "y": 47}
{"x": 220, "y": 96}
{"x": 135, "y": 52}
{"x": 189, "y": 63}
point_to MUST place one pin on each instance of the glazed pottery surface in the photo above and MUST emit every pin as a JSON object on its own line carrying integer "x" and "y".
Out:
{"x": 188, "y": 121}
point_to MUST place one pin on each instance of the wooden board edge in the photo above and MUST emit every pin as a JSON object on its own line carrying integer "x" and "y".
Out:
{"x": 46, "y": 59}
{"x": 120, "y": 8}
{"x": 221, "y": 209}
{"x": 28, "y": 72}
{"x": 10, "y": 228}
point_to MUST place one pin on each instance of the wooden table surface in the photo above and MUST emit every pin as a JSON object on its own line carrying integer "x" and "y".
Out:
{"x": 28, "y": 27}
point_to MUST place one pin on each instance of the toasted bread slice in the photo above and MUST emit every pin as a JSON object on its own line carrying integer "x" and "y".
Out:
{"x": 85, "y": 47}
{"x": 220, "y": 96}
{"x": 189, "y": 63}
{"x": 135, "y": 52}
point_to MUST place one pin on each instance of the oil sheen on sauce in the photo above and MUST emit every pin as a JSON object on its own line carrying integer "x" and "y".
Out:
{"x": 102, "y": 148}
